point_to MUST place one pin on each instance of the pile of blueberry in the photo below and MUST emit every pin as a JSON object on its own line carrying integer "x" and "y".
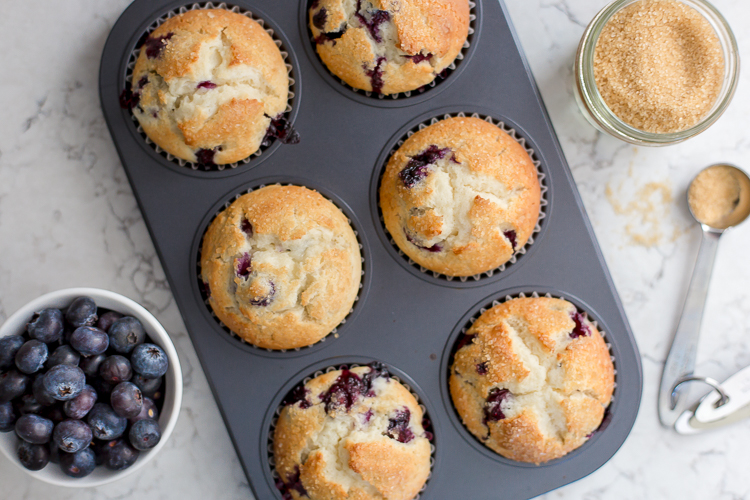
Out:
{"x": 81, "y": 389}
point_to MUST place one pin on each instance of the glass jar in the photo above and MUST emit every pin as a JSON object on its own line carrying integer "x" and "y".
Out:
{"x": 597, "y": 112}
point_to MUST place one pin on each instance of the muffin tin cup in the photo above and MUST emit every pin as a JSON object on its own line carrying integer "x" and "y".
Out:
{"x": 396, "y": 374}
{"x": 223, "y": 205}
{"x": 288, "y": 62}
{"x": 463, "y": 326}
{"x": 432, "y": 89}
{"x": 402, "y": 319}
{"x": 434, "y": 276}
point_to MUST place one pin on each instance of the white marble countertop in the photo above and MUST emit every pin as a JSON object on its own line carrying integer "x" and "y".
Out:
{"x": 68, "y": 218}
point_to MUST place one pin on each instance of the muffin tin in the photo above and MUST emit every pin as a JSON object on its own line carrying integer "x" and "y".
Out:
{"x": 405, "y": 318}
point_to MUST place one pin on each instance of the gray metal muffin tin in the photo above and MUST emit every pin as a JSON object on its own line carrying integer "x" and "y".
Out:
{"x": 405, "y": 318}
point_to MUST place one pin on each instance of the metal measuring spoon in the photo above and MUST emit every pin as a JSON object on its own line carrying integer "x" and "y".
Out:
{"x": 680, "y": 363}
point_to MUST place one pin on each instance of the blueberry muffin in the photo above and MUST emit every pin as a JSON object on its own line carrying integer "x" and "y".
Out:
{"x": 209, "y": 85}
{"x": 460, "y": 197}
{"x": 389, "y": 46}
{"x": 352, "y": 434}
{"x": 281, "y": 267}
{"x": 532, "y": 379}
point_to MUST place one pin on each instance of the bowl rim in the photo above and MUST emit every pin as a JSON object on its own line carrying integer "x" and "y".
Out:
{"x": 158, "y": 335}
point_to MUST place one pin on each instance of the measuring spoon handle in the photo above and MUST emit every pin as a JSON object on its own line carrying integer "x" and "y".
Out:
{"x": 681, "y": 359}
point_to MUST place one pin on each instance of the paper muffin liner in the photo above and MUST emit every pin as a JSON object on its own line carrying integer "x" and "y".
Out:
{"x": 202, "y": 6}
{"x": 607, "y": 412}
{"x": 426, "y": 421}
{"x": 542, "y": 205}
{"x": 442, "y": 76}
{"x": 333, "y": 334}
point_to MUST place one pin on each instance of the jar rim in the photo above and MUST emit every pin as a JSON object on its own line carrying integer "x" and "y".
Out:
{"x": 607, "y": 121}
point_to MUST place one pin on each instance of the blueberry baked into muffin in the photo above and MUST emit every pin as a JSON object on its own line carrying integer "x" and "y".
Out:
{"x": 389, "y": 46}
{"x": 532, "y": 379}
{"x": 210, "y": 86}
{"x": 281, "y": 267}
{"x": 460, "y": 197}
{"x": 352, "y": 434}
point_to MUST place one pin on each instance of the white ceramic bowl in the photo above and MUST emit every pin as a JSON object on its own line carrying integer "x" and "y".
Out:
{"x": 173, "y": 380}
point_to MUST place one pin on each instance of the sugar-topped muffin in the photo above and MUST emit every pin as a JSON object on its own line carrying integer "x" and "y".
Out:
{"x": 207, "y": 86}
{"x": 352, "y": 434}
{"x": 460, "y": 197}
{"x": 281, "y": 267}
{"x": 532, "y": 379}
{"x": 387, "y": 46}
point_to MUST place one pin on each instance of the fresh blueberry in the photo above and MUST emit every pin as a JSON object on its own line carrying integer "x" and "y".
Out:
{"x": 107, "y": 320}
{"x": 149, "y": 360}
{"x": 208, "y": 85}
{"x": 12, "y": 385}
{"x": 81, "y": 405}
{"x": 63, "y": 355}
{"x": 78, "y": 464}
{"x": 90, "y": 364}
{"x": 120, "y": 455}
{"x": 64, "y": 382}
{"x": 125, "y": 334}
{"x": 89, "y": 340}
{"x": 55, "y": 413}
{"x": 47, "y": 326}
{"x": 31, "y": 356}
{"x": 34, "y": 429}
{"x": 148, "y": 386}
{"x": 82, "y": 312}
{"x": 100, "y": 449}
{"x": 105, "y": 423}
{"x": 149, "y": 410}
{"x": 54, "y": 454}
{"x": 9, "y": 346}
{"x": 8, "y": 417}
{"x": 115, "y": 369}
{"x": 145, "y": 434}
{"x": 482, "y": 368}
{"x": 72, "y": 435}
{"x": 103, "y": 388}
{"x": 33, "y": 456}
{"x": 126, "y": 399}
{"x": 29, "y": 404}
{"x": 41, "y": 394}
